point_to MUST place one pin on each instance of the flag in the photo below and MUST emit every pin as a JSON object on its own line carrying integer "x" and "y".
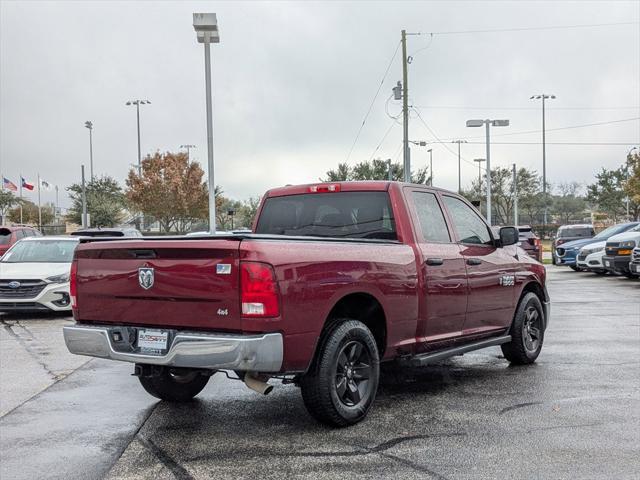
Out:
{"x": 25, "y": 184}
{"x": 45, "y": 185}
{"x": 9, "y": 185}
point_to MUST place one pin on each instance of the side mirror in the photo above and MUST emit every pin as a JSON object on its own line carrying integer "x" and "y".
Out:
{"x": 509, "y": 236}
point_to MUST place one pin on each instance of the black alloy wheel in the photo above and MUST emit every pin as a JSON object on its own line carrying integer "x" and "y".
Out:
{"x": 353, "y": 371}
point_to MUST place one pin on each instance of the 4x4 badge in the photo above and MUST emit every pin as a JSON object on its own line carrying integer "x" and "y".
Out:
{"x": 145, "y": 277}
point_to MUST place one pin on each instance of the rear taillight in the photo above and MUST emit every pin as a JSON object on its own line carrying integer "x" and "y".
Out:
{"x": 73, "y": 284}
{"x": 259, "y": 290}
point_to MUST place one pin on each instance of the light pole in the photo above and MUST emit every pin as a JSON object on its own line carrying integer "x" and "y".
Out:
{"x": 137, "y": 103}
{"x": 479, "y": 162}
{"x": 188, "y": 147}
{"x": 628, "y": 158}
{"x": 459, "y": 166}
{"x": 543, "y": 97}
{"x": 84, "y": 200}
{"x": 420, "y": 143}
{"x": 389, "y": 169}
{"x": 515, "y": 196}
{"x": 487, "y": 123}
{"x": 88, "y": 124}
{"x": 206, "y": 27}
{"x": 430, "y": 167}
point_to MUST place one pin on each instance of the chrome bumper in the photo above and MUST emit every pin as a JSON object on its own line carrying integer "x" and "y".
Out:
{"x": 258, "y": 353}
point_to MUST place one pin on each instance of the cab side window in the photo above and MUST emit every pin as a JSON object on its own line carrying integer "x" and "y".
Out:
{"x": 430, "y": 217}
{"x": 470, "y": 227}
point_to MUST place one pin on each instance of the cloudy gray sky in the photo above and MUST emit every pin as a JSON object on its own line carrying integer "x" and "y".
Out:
{"x": 293, "y": 81}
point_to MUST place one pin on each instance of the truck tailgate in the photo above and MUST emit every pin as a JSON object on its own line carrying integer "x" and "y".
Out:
{"x": 185, "y": 284}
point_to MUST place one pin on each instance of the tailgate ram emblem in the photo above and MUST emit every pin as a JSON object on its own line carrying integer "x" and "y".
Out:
{"x": 145, "y": 277}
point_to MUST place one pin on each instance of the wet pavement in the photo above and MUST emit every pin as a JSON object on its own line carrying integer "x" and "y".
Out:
{"x": 574, "y": 414}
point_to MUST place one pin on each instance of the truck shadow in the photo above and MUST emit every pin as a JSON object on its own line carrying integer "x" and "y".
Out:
{"x": 232, "y": 426}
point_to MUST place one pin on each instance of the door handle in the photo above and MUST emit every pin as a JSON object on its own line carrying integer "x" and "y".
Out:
{"x": 434, "y": 261}
{"x": 473, "y": 261}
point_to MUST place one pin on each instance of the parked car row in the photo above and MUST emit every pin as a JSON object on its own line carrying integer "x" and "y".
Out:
{"x": 609, "y": 252}
{"x": 34, "y": 270}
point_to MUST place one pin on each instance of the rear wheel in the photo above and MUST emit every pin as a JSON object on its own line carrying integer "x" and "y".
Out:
{"x": 341, "y": 385}
{"x": 527, "y": 332}
{"x": 174, "y": 384}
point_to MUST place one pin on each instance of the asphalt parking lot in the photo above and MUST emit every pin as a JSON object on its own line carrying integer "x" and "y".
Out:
{"x": 574, "y": 414}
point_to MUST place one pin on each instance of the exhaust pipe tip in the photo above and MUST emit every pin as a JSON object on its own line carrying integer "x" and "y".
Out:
{"x": 257, "y": 385}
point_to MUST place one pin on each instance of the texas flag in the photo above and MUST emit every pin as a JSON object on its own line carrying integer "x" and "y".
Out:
{"x": 25, "y": 184}
{"x": 9, "y": 185}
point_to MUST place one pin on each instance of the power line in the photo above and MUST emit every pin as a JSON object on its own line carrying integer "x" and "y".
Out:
{"x": 557, "y": 143}
{"x": 373, "y": 101}
{"x": 569, "y": 127}
{"x": 383, "y": 139}
{"x": 461, "y": 107}
{"x": 444, "y": 144}
{"x": 526, "y": 29}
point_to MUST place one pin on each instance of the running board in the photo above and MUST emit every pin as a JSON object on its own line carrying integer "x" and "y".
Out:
{"x": 426, "y": 358}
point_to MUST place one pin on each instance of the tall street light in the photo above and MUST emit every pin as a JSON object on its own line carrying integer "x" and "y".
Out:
{"x": 459, "y": 166}
{"x": 543, "y": 97}
{"x": 88, "y": 124}
{"x": 420, "y": 143}
{"x": 188, "y": 147}
{"x": 137, "y": 103}
{"x": 487, "y": 123}
{"x": 430, "y": 151}
{"x": 206, "y": 27}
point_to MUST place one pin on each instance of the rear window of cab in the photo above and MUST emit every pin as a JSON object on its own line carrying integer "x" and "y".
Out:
{"x": 334, "y": 214}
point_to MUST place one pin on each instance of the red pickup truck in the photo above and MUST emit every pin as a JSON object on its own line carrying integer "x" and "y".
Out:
{"x": 332, "y": 280}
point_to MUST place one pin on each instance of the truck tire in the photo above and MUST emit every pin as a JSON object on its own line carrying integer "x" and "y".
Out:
{"x": 341, "y": 384}
{"x": 175, "y": 384}
{"x": 527, "y": 332}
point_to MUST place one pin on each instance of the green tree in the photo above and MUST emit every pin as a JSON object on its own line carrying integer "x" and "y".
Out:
{"x": 569, "y": 205}
{"x": 7, "y": 200}
{"x": 502, "y": 197}
{"x": 376, "y": 169}
{"x": 170, "y": 189}
{"x": 30, "y": 213}
{"x": 105, "y": 202}
{"x": 607, "y": 194}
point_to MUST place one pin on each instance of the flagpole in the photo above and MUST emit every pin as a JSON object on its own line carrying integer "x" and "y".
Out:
{"x": 39, "y": 207}
{"x": 21, "y": 199}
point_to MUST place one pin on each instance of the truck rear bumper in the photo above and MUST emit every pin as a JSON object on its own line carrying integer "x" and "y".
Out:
{"x": 257, "y": 353}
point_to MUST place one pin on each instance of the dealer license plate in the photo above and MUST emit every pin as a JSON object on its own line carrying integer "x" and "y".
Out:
{"x": 152, "y": 340}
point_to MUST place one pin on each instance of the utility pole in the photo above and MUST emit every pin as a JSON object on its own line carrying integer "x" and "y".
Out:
{"x": 515, "y": 196}
{"x": 405, "y": 110}
{"x": 84, "y": 201}
{"x": 459, "y": 165}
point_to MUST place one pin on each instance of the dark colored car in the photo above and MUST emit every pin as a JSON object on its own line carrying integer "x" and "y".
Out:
{"x": 334, "y": 279}
{"x": 10, "y": 235}
{"x": 567, "y": 254}
{"x": 530, "y": 242}
{"x": 568, "y": 233}
{"x": 107, "y": 232}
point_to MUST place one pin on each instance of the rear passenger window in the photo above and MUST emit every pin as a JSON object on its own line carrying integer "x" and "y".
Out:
{"x": 470, "y": 227}
{"x": 430, "y": 217}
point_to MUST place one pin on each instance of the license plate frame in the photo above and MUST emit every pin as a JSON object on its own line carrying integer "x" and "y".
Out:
{"x": 152, "y": 340}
